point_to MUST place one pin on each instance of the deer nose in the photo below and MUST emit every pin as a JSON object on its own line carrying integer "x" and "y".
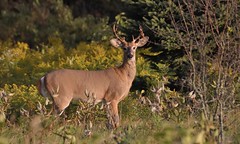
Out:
{"x": 130, "y": 55}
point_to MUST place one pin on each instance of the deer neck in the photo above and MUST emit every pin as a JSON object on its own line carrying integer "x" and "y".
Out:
{"x": 128, "y": 67}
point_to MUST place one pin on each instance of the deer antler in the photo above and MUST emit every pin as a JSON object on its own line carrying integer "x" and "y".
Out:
{"x": 141, "y": 34}
{"x": 119, "y": 38}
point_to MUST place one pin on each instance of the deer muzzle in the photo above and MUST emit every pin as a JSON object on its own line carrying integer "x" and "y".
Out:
{"x": 129, "y": 56}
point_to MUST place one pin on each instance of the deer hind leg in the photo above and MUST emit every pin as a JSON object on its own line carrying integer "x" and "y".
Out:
{"x": 112, "y": 110}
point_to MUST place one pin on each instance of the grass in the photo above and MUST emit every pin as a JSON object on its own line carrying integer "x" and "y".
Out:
{"x": 153, "y": 130}
{"x": 138, "y": 125}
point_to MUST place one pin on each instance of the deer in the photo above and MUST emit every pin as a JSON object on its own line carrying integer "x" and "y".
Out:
{"x": 111, "y": 85}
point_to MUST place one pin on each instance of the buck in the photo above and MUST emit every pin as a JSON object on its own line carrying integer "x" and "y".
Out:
{"x": 110, "y": 85}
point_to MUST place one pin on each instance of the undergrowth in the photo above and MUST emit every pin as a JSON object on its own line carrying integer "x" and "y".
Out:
{"x": 152, "y": 113}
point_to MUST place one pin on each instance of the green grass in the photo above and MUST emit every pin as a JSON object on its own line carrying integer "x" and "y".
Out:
{"x": 148, "y": 128}
{"x": 152, "y": 130}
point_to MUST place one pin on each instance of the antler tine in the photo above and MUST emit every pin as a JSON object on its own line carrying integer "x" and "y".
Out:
{"x": 116, "y": 35}
{"x": 141, "y": 31}
{"x": 133, "y": 38}
{"x": 141, "y": 34}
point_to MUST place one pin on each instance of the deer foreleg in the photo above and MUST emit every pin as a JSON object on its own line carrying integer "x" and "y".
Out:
{"x": 60, "y": 104}
{"x": 114, "y": 113}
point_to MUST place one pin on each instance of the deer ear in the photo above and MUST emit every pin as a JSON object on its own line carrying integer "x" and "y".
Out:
{"x": 116, "y": 43}
{"x": 142, "y": 41}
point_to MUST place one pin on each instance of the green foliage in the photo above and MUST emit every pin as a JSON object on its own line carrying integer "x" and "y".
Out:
{"x": 25, "y": 97}
{"x": 154, "y": 17}
{"x": 205, "y": 33}
{"x": 21, "y": 66}
{"x": 34, "y": 22}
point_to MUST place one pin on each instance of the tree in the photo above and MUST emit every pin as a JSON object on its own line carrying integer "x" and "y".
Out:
{"x": 209, "y": 33}
{"x": 36, "y": 21}
{"x": 154, "y": 17}
{"x": 199, "y": 40}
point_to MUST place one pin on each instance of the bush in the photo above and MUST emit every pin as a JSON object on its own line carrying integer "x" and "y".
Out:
{"x": 34, "y": 22}
{"x": 23, "y": 67}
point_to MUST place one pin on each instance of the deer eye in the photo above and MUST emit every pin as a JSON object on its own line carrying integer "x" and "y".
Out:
{"x": 124, "y": 48}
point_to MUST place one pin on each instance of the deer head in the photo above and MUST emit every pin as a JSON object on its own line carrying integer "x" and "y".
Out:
{"x": 129, "y": 48}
